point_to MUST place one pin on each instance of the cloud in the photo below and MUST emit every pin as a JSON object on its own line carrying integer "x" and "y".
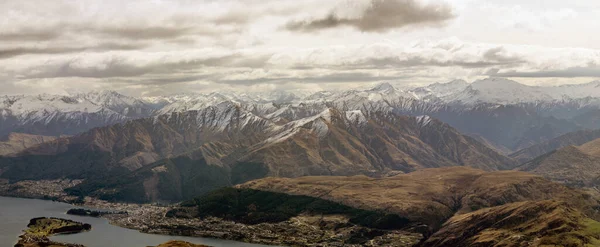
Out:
{"x": 381, "y": 16}
{"x": 429, "y": 57}
{"x": 336, "y": 77}
{"x": 571, "y": 72}
{"x": 417, "y": 61}
{"x": 18, "y": 51}
{"x": 500, "y": 56}
{"x": 30, "y": 34}
{"x": 122, "y": 67}
{"x": 143, "y": 32}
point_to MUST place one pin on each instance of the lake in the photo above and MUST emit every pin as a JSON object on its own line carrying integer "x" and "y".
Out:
{"x": 15, "y": 213}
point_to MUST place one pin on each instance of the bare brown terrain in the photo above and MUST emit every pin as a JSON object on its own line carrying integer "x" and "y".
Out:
{"x": 541, "y": 223}
{"x": 573, "y": 138}
{"x": 431, "y": 196}
{"x": 17, "y": 142}
{"x": 577, "y": 166}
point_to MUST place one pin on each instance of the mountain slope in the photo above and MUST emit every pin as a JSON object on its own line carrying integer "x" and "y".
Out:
{"x": 455, "y": 206}
{"x": 573, "y": 165}
{"x": 543, "y": 223}
{"x": 573, "y": 138}
{"x": 136, "y": 143}
{"x": 429, "y": 196}
{"x": 17, "y": 142}
{"x": 354, "y": 142}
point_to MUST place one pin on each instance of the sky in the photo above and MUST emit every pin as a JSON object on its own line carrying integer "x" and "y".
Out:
{"x": 158, "y": 47}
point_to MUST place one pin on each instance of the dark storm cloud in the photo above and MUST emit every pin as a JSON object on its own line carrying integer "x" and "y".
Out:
{"x": 18, "y": 51}
{"x": 572, "y": 72}
{"x": 381, "y": 16}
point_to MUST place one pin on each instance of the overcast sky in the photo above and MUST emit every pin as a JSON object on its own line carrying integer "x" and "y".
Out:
{"x": 162, "y": 47}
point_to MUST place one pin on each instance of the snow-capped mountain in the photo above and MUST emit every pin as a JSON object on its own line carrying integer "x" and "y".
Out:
{"x": 578, "y": 91}
{"x": 440, "y": 90}
{"x": 387, "y": 97}
{"x": 506, "y": 92}
{"x": 60, "y": 114}
{"x": 226, "y": 142}
{"x": 499, "y": 91}
{"x": 125, "y": 105}
{"x": 534, "y": 113}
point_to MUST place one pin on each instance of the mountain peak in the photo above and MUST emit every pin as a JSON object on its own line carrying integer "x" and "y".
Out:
{"x": 383, "y": 87}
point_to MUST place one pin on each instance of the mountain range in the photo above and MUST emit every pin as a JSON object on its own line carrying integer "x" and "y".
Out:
{"x": 54, "y": 115}
{"x": 509, "y": 115}
{"x": 178, "y": 155}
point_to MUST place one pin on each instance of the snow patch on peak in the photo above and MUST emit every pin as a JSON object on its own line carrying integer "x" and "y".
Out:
{"x": 500, "y": 91}
{"x": 440, "y": 90}
{"x": 423, "y": 120}
{"x": 317, "y": 123}
{"x": 383, "y": 87}
{"x": 326, "y": 115}
{"x": 356, "y": 117}
{"x": 320, "y": 127}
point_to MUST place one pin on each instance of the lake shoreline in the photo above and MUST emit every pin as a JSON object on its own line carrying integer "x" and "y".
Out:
{"x": 16, "y": 212}
{"x": 151, "y": 219}
{"x": 140, "y": 217}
